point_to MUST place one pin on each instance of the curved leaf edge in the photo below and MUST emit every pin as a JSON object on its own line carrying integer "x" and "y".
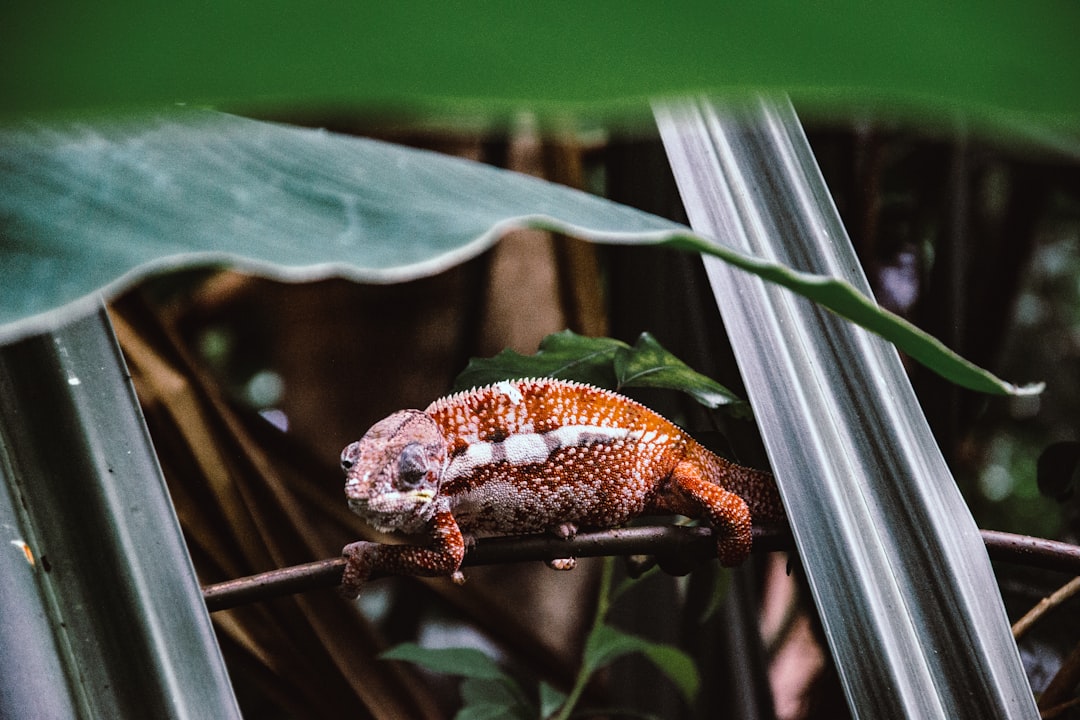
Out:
{"x": 836, "y": 295}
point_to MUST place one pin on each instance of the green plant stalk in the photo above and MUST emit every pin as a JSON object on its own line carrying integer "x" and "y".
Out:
{"x": 603, "y": 605}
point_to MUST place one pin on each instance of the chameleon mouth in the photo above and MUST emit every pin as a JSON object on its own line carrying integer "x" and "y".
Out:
{"x": 387, "y": 503}
{"x": 389, "y": 512}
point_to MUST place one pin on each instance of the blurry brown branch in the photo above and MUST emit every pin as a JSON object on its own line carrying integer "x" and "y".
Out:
{"x": 694, "y": 542}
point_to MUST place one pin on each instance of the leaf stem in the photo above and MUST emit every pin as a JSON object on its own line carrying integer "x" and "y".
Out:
{"x": 603, "y": 604}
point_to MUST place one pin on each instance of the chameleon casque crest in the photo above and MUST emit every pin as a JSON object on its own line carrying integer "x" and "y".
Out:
{"x": 535, "y": 455}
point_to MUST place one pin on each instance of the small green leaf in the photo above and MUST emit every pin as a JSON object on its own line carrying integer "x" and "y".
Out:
{"x": 564, "y": 355}
{"x": 606, "y": 644}
{"x": 721, "y": 586}
{"x": 489, "y": 711}
{"x": 677, "y": 665}
{"x": 551, "y": 699}
{"x": 467, "y": 662}
{"x": 649, "y": 364}
{"x": 504, "y": 692}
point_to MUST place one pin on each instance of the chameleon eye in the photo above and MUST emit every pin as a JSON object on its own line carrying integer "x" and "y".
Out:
{"x": 348, "y": 456}
{"x": 412, "y": 465}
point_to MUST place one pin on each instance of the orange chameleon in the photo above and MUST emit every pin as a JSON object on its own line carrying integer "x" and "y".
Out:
{"x": 535, "y": 455}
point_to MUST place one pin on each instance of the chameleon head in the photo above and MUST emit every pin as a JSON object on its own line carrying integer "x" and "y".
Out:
{"x": 392, "y": 473}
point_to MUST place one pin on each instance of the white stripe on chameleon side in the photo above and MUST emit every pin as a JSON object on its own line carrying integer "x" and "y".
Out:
{"x": 525, "y": 449}
{"x": 581, "y": 435}
{"x": 534, "y": 448}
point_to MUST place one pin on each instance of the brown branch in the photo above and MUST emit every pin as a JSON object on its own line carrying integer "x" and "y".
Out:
{"x": 685, "y": 542}
{"x": 1032, "y": 551}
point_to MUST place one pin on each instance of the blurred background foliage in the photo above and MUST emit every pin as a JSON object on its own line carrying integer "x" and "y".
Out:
{"x": 486, "y": 60}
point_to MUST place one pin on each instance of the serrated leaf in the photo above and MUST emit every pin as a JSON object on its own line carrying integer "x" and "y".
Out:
{"x": 650, "y": 364}
{"x": 466, "y": 662}
{"x": 603, "y": 362}
{"x": 565, "y": 355}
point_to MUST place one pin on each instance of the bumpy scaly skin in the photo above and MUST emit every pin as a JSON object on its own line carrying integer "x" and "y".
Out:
{"x": 535, "y": 455}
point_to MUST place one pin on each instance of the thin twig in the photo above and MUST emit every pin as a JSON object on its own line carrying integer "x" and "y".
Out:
{"x": 692, "y": 542}
{"x": 1045, "y": 605}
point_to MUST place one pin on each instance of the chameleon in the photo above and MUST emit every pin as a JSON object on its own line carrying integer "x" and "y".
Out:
{"x": 535, "y": 455}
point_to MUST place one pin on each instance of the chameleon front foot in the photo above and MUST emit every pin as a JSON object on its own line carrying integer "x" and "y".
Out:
{"x": 442, "y": 559}
{"x": 360, "y": 558}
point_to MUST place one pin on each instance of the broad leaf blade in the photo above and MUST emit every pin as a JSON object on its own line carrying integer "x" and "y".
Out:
{"x": 92, "y": 205}
{"x": 907, "y": 597}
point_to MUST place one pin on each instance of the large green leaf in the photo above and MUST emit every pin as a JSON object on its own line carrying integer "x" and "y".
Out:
{"x": 494, "y": 58}
{"x": 85, "y": 206}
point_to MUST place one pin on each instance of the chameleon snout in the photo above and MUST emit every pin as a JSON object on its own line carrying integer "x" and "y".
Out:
{"x": 355, "y": 487}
